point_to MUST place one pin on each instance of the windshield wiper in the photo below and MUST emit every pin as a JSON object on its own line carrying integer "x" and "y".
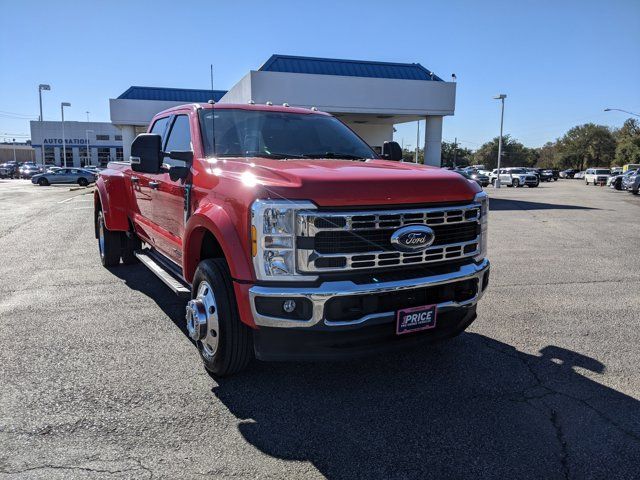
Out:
{"x": 346, "y": 156}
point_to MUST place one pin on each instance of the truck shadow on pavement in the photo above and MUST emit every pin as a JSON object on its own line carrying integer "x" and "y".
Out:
{"x": 471, "y": 407}
{"x": 500, "y": 204}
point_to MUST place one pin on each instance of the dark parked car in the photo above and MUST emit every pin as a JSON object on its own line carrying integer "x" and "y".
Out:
{"x": 468, "y": 176}
{"x": 9, "y": 170}
{"x": 65, "y": 175}
{"x": 481, "y": 178}
{"x": 28, "y": 170}
{"x": 543, "y": 175}
{"x": 555, "y": 174}
{"x": 569, "y": 173}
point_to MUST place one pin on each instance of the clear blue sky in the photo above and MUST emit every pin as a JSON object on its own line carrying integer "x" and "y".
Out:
{"x": 560, "y": 62}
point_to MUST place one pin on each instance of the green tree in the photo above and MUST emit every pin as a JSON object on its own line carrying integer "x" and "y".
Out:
{"x": 452, "y": 151}
{"x": 628, "y": 142}
{"x": 548, "y": 156}
{"x": 587, "y": 145}
{"x": 514, "y": 154}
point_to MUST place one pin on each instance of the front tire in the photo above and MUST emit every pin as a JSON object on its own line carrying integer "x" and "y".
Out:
{"x": 43, "y": 182}
{"x": 83, "y": 182}
{"x": 515, "y": 183}
{"x": 224, "y": 342}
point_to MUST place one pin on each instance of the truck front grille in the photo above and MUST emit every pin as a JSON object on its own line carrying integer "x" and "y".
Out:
{"x": 337, "y": 241}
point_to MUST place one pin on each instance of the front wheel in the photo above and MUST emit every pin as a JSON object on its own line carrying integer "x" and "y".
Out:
{"x": 43, "y": 182}
{"x": 83, "y": 182}
{"x": 515, "y": 183}
{"x": 224, "y": 342}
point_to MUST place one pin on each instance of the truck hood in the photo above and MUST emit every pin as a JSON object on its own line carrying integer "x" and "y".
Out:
{"x": 333, "y": 182}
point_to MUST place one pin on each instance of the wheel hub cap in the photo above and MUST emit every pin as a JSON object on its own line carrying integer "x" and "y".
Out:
{"x": 202, "y": 320}
{"x": 196, "y": 319}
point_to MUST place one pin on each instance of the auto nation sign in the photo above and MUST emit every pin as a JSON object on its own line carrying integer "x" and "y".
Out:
{"x": 67, "y": 141}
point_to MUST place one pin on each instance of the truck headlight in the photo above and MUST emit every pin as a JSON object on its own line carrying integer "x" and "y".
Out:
{"x": 273, "y": 239}
{"x": 483, "y": 199}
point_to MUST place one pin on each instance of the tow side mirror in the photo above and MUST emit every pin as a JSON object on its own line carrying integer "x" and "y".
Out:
{"x": 391, "y": 151}
{"x": 146, "y": 156}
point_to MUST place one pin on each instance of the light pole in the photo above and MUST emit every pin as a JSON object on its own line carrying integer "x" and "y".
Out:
{"x": 41, "y": 87}
{"x": 88, "y": 148}
{"x": 64, "y": 144}
{"x": 500, "y": 97}
{"x": 14, "y": 151}
{"x": 87, "y": 116}
{"x": 619, "y": 110}
{"x": 417, "y": 142}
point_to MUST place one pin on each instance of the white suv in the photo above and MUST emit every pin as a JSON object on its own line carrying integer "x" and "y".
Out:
{"x": 515, "y": 177}
{"x": 596, "y": 176}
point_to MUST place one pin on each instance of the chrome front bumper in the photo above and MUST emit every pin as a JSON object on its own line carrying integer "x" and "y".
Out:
{"x": 321, "y": 294}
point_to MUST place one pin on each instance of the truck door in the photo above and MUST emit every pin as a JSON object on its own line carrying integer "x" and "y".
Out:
{"x": 143, "y": 185}
{"x": 168, "y": 195}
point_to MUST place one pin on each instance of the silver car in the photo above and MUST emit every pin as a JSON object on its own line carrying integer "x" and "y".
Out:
{"x": 65, "y": 175}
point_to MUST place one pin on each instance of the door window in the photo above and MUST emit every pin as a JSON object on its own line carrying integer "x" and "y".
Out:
{"x": 179, "y": 139}
{"x": 160, "y": 127}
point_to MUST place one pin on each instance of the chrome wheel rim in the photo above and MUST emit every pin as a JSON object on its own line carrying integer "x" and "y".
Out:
{"x": 202, "y": 320}
{"x": 101, "y": 234}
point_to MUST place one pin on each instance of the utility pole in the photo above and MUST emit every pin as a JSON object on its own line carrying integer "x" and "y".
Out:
{"x": 14, "y": 152}
{"x": 417, "y": 142}
{"x": 455, "y": 151}
{"x": 500, "y": 97}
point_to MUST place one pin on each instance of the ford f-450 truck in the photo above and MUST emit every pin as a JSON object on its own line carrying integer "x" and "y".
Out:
{"x": 291, "y": 237}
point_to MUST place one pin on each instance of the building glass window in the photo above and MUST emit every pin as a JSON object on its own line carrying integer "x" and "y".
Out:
{"x": 68, "y": 153}
{"x": 49, "y": 155}
{"x": 119, "y": 154}
{"x": 138, "y": 129}
{"x": 84, "y": 160}
{"x": 102, "y": 137}
{"x": 104, "y": 156}
{"x": 118, "y": 138}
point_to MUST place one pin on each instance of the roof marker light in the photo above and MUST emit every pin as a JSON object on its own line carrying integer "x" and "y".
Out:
{"x": 269, "y": 103}
{"x": 315, "y": 109}
{"x": 285, "y": 104}
{"x": 251, "y": 102}
{"x": 211, "y": 102}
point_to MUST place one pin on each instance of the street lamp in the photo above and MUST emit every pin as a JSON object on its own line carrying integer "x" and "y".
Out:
{"x": 619, "y": 110}
{"x": 64, "y": 144}
{"x": 500, "y": 97}
{"x": 41, "y": 87}
{"x": 88, "y": 148}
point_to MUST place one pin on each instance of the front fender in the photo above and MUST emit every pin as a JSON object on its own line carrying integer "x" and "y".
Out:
{"x": 111, "y": 193}
{"x": 214, "y": 219}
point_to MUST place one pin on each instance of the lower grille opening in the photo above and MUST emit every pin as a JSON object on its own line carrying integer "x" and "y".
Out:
{"x": 342, "y": 309}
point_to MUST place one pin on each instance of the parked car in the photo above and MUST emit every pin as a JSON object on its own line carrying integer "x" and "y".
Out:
{"x": 630, "y": 166}
{"x": 630, "y": 182}
{"x": 543, "y": 175}
{"x": 481, "y": 178}
{"x": 616, "y": 181}
{"x": 28, "y": 170}
{"x": 65, "y": 175}
{"x": 596, "y": 176}
{"x": 9, "y": 170}
{"x": 555, "y": 174}
{"x": 569, "y": 173}
{"x": 291, "y": 237}
{"x": 515, "y": 177}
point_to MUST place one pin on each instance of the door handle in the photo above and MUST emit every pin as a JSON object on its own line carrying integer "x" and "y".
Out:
{"x": 154, "y": 185}
{"x": 134, "y": 179}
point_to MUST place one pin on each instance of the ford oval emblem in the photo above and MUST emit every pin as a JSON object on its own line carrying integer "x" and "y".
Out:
{"x": 412, "y": 238}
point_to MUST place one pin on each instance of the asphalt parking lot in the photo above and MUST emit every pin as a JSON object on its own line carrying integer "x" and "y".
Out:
{"x": 99, "y": 379}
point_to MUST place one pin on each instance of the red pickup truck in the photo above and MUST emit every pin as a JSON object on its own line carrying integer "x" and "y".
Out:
{"x": 292, "y": 238}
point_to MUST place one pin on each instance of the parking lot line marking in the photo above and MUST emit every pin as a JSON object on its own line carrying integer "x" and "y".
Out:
{"x": 66, "y": 200}
{"x": 83, "y": 208}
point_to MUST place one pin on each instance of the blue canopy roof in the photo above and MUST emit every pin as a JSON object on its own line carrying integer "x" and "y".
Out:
{"x": 187, "y": 95}
{"x": 349, "y": 68}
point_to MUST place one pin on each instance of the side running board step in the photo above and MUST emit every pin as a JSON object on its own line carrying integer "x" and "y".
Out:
{"x": 161, "y": 269}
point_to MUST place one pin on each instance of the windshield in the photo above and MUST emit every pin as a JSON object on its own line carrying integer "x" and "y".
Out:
{"x": 603, "y": 172}
{"x": 256, "y": 133}
{"x": 518, "y": 170}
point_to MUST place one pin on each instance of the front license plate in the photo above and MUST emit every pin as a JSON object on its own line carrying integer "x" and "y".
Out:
{"x": 415, "y": 319}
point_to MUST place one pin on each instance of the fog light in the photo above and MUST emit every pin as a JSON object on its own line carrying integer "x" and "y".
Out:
{"x": 289, "y": 306}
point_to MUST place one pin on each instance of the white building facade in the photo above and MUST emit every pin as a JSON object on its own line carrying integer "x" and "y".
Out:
{"x": 85, "y": 143}
{"x": 370, "y": 97}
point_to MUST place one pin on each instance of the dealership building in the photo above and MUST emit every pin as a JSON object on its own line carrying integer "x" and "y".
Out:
{"x": 370, "y": 97}
{"x": 86, "y": 143}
